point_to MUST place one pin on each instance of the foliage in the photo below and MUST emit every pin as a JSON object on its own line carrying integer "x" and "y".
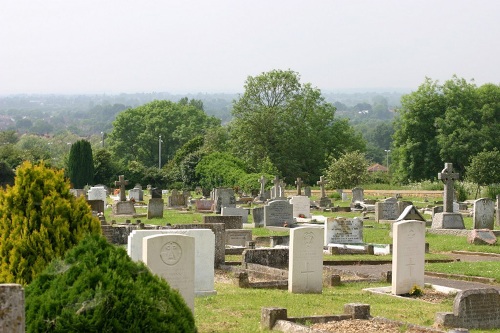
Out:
{"x": 39, "y": 220}
{"x": 35, "y": 148}
{"x": 220, "y": 170}
{"x": 7, "y": 175}
{"x": 136, "y": 132}
{"x": 11, "y": 155}
{"x": 484, "y": 168}
{"x": 250, "y": 182}
{"x": 98, "y": 288}
{"x": 81, "y": 164}
{"x": 416, "y": 291}
{"x": 105, "y": 168}
{"x": 444, "y": 123}
{"x": 290, "y": 123}
{"x": 347, "y": 171}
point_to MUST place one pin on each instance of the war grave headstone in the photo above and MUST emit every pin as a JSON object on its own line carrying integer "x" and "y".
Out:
{"x": 123, "y": 207}
{"x": 408, "y": 257}
{"x": 220, "y": 238}
{"x": 343, "y": 231}
{"x": 301, "y": 206}
{"x": 223, "y": 197}
{"x": 230, "y": 222}
{"x": 324, "y": 201}
{"x": 278, "y": 213}
{"x": 305, "y": 273}
{"x": 473, "y": 309}
{"x": 204, "y": 254}
{"x": 448, "y": 219}
{"x": 235, "y": 211}
{"x": 137, "y": 194}
{"x": 387, "y": 210}
{"x": 155, "y": 207}
{"x": 12, "y": 312}
{"x": 258, "y": 216}
{"x": 177, "y": 199}
{"x": 484, "y": 214}
{"x": 238, "y": 237}
{"x": 173, "y": 258}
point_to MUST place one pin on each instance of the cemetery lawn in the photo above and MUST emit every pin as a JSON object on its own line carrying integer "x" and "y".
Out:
{"x": 488, "y": 269}
{"x": 235, "y": 309}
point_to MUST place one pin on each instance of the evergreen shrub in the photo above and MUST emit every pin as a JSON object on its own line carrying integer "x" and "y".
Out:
{"x": 98, "y": 288}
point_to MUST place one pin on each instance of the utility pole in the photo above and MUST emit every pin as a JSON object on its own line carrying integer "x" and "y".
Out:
{"x": 159, "y": 152}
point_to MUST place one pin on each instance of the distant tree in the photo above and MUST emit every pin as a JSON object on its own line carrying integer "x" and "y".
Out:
{"x": 8, "y": 137}
{"x": 7, "y": 175}
{"x": 98, "y": 288}
{"x": 11, "y": 155}
{"x": 35, "y": 148}
{"x": 347, "y": 171}
{"x": 105, "y": 168}
{"x": 39, "y": 220}
{"x": 484, "y": 169}
{"x": 81, "y": 164}
{"x": 290, "y": 123}
{"x": 220, "y": 170}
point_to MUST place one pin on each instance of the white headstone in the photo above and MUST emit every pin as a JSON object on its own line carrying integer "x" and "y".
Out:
{"x": 484, "y": 214}
{"x": 305, "y": 268}
{"x": 172, "y": 258}
{"x": 97, "y": 193}
{"x": 301, "y": 206}
{"x": 343, "y": 231}
{"x": 204, "y": 254}
{"x": 235, "y": 211}
{"x": 408, "y": 257}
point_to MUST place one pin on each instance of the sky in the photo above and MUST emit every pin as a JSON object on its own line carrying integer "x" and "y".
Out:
{"x": 212, "y": 46}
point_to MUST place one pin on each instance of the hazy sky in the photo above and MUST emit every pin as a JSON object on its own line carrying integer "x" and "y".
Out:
{"x": 113, "y": 46}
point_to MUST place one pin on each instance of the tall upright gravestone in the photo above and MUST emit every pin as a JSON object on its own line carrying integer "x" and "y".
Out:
{"x": 448, "y": 219}
{"x": 484, "y": 214}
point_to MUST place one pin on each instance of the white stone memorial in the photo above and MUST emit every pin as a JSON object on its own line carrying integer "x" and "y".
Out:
{"x": 204, "y": 254}
{"x": 343, "y": 231}
{"x": 172, "y": 257}
{"x": 97, "y": 193}
{"x": 408, "y": 257}
{"x": 305, "y": 268}
{"x": 301, "y": 206}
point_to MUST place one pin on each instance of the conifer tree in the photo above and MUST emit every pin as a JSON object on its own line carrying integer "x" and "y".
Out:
{"x": 39, "y": 220}
{"x": 81, "y": 164}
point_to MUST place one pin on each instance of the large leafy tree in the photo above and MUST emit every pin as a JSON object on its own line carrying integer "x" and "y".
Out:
{"x": 136, "y": 132}
{"x": 81, "y": 164}
{"x": 347, "y": 171}
{"x": 484, "y": 169}
{"x": 290, "y": 124}
{"x": 39, "y": 220}
{"x": 105, "y": 168}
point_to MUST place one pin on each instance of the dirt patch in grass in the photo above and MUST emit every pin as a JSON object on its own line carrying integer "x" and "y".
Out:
{"x": 368, "y": 326}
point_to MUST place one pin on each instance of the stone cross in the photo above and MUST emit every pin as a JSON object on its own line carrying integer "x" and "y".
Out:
{"x": 276, "y": 181}
{"x": 262, "y": 182}
{"x": 299, "y": 183}
{"x": 322, "y": 182}
{"x": 448, "y": 177}
{"x": 122, "y": 182}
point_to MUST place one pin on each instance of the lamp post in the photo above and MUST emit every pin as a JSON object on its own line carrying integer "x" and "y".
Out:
{"x": 387, "y": 158}
{"x": 159, "y": 152}
{"x": 102, "y": 138}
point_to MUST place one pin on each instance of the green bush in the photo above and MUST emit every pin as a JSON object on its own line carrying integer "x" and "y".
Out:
{"x": 98, "y": 288}
{"x": 39, "y": 221}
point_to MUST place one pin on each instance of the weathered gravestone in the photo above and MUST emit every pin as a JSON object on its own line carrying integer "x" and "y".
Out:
{"x": 324, "y": 201}
{"x": 305, "y": 273}
{"x": 204, "y": 205}
{"x": 410, "y": 213}
{"x": 408, "y": 257}
{"x": 481, "y": 237}
{"x": 177, "y": 199}
{"x": 204, "y": 254}
{"x": 156, "y": 193}
{"x": 387, "y": 210}
{"x": 301, "y": 206}
{"x": 474, "y": 309}
{"x": 343, "y": 231}
{"x": 136, "y": 193}
{"x": 238, "y": 237}
{"x": 230, "y": 222}
{"x": 223, "y": 197}
{"x": 278, "y": 213}
{"x": 123, "y": 207}
{"x": 307, "y": 191}
{"x": 258, "y": 216}
{"x": 172, "y": 257}
{"x": 484, "y": 214}
{"x": 276, "y": 190}
{"x": 97, "y": 193}
{"x": 235, "y": 211}
{"x": 12, "y": 313}
{"x": 263, "y": 194}
{"x": 155, "y": 208}
{"x": 448, "y": 219}
{"x": 96, "y": 205}
{"x": 358, "y": 195}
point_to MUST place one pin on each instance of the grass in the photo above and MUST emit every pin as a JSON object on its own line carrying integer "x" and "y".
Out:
{"x": 488, "y": 269}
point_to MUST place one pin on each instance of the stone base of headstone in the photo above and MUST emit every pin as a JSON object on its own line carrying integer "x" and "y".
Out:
{"x": 123, "y": 208}
{"x": 325, "y": 202}
{"x": 448, "y": 221}
{"x": 155, "y": 208}
{"x": 481, "y": 237}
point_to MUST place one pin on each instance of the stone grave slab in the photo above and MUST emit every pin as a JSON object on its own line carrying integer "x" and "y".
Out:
{"x": 408, "y": 257}
{"x": 343, "y": 231}
{"x": 238, "y": 237}
{"x": 305, "y": 272}
{"x": 177, "y": 199}
{"x": 484, "y": 214}
{"x": 155, "y": 208}
{"x": 204, "y": 205}
{"x": 172, "y": 257}
{"x": 230, "y": 222}
{"x": 223, "y": 197}
{"x": 235, "y": 211}
{"x": 386, "y": 210}
{"x": 358, "y": 194}
{"x": 96, "y": 205}
{"x": 204, "y": 254}
{"x": 278, "y": 213}
{"x": 481, "y": 237}
{"x": 97, "y": 193}
{"x": 136, "y": 193}
{"x": 301, "y": 206}
{"x": 123, "y": 208}
{"x": 258, "y": 216}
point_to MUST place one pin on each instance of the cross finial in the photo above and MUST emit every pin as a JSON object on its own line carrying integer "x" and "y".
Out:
{"x": 322, "y": 182}
{"x": 299, "y": 183}
{"x": 122, "y": 182}
{"x": 448, "y": 177}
